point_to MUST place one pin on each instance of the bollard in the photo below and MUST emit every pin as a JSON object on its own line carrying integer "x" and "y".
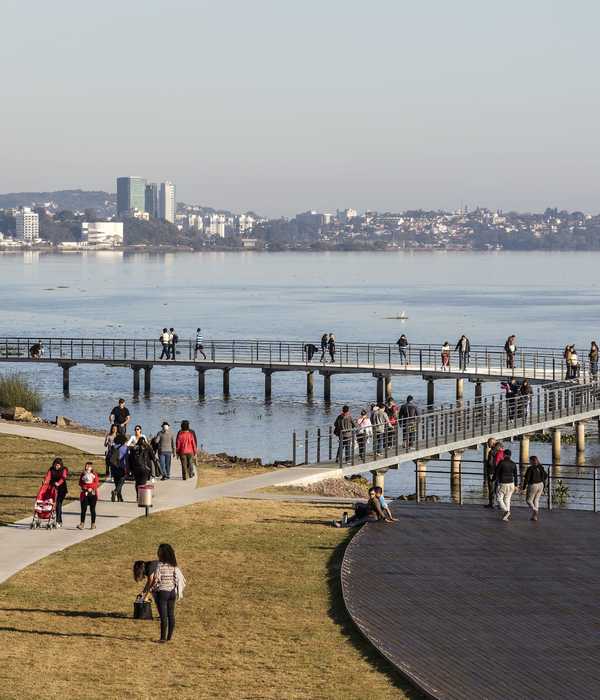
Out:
{"x": 145, "y": 497}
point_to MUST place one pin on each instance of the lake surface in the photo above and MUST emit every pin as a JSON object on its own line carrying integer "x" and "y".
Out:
{"x": 545, "y": 298}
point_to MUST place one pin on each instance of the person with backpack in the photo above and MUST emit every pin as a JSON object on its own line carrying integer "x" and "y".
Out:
{"x": 343, "y": 430}
{"x": 408, "y": 415}
{"x": 165, "y": 341}
{"x": 186, "y": 446}
{"x": 533, "y": 483}
{"x": 173, "y": 344}
{"x": 89, "y": 482}
{"x": 165, "y": 446}
{"x": 167, "y": 583}
{"x": 118, "y": 467}
{"x": 109, "y": 440}
{"x": 57, "y": 475}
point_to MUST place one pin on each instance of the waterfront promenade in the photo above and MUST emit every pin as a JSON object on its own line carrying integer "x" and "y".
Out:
{"x": 469, "y": 607}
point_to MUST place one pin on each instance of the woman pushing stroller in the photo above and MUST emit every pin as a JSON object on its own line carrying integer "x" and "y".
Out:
{"x": 57, "y": 476}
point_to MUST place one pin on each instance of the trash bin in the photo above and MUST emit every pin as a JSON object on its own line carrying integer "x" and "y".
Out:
{"x": 145, "y": 496}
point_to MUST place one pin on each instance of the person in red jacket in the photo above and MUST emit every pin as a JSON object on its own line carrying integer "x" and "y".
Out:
{"x": 89, "y": 482}
{"x": 57, "y": 475}
{"x": 186, "y": 447}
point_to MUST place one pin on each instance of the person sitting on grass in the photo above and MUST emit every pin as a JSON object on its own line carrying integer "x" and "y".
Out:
{"x": 383, "y": 503}
{"x": 364, "y": 512}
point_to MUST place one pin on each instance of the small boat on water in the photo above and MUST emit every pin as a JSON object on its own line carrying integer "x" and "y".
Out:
{"x": 402, "y": 316}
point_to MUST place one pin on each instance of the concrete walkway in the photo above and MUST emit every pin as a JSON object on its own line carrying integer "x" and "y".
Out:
{"x": 20, "y": 546}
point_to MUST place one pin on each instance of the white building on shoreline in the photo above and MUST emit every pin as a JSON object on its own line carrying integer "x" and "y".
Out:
{"x": 102, "y": 233}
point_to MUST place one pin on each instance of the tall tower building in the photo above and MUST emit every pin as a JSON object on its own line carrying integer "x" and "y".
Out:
{"x": 28, "y": 225}
{"x": 166, "y": 202}
{"x": 131, "y": 194}
{"x": 151, "y": 202}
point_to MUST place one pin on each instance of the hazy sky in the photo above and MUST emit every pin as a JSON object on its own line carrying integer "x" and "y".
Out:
{"x": 282, "y": 106}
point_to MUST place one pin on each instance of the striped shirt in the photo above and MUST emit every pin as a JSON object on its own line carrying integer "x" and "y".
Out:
{"x": 165, "y": 577}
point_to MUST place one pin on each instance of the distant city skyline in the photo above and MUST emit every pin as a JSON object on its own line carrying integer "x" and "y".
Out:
{"x": 384, "y": 105}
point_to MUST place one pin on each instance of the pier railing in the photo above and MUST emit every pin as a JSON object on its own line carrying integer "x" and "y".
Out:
{"x": 542, "y": 363}
{"x": 444, "y": 426}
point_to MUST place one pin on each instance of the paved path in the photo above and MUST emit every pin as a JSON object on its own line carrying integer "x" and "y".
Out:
{"x": 467, "y": 606}
{"x": 21, "y": 546}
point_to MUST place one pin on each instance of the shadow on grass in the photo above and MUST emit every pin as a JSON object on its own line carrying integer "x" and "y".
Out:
{"x": 339, "y": 614}
{"x": 92, "y": 614}
{"x": 296, "y": 521}
{"x": 83, "y": 635}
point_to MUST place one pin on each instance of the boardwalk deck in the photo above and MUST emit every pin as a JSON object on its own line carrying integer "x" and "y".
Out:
{"x": 471, "y": 607}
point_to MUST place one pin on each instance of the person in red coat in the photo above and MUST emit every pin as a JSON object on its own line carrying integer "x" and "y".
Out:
{"x": 57, "y": 475}
{"x": 186, "y": 447}
{"x": 89, "y": 482}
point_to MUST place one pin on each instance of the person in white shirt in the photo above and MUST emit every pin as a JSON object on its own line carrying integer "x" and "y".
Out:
{"x": 199, "y": 348}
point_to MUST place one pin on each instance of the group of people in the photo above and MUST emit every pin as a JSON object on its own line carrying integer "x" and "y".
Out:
{"x": 502, "y": 479}
{"x": 327, "y": 349}
{"x": 374, "y": 510}
{"x": 89, "y": 483}
{"x": 379, "y": 424}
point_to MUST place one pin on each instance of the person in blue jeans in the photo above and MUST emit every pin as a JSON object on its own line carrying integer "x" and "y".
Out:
{"x": 165, "y": 443}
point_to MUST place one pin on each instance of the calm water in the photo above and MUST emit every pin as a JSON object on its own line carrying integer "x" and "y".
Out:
{"x": 545, "y": 298}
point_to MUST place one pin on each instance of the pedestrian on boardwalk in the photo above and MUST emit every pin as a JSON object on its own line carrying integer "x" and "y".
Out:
{"x": 512, "y": 394}
{"x": 464, "y": 348}
{"x": 364, "y": 432}
{"x": 137, "y": 434}
{"x": 343, "y": 430}
{"x": 118, "y": 467}
{"x": 309, "y": 349}
{"x": 525, "y": 397}
{"x": 174, "y": 341}
{"x": 57, "y": 475}
{"x": 573, "y": 363}
{"x": 380, "y": 422}
{"x": 494, "y": 456}
{"x": 109, "y": 441}
{"x": 165, "y": 443}
{"x": 186, "y": 447}
{"x": 408, "y": 415}
{"x": 36, "y": 350}
{"x": 446, "y": 356}
{"x": 165, "y": 341}
{"x": 167, "y": 584}
{"x": 89, "y": 482}
{"x": 533, "y": 483}
{"x": 331, "y": 347}
{"x": 593, "y": 358}
{"x": 324, "y": 344}
{"x": 391, "y": 410}
{"x": 567, "y": 358}
{"x": 120, "y": 416}
{"x": 140, "y": 460}
{"x": 510, "y": 348}
{"x": 199, "y": 347}
{"x": 402, "y": 344}
{"x": 508, "y": 479}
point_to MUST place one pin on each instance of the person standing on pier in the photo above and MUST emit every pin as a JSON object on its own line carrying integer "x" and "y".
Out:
{"x": 364, "y": 432}
{"x": 310, "y": 349}
{"x": 324, "y": 343}
{"x": 464, "y": 348}
{"x": 165, "y": 341}
{"x": 567, "y": 358}
{"x": 199, "y": 347}
{"x": 408, "y": 414}
{"x": 593, "y": 358}
{"x": 331, "y": 347}
{"x": 173, "y": 345}
{"x": 446, "y": 356}
{"x": 186, "y": 447}
{"x": 402, "y": 344}
{"x": 380, "y": 422}
{"x": 573, "y": 363}
{"x": 120, "y": 416}
{"x": 508, "y": 479}
{"x": 343, "y": 430}
{"x": 510, "y": 348}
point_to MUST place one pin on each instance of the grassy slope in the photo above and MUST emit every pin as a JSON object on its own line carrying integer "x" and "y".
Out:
{"x": 262, "y": 617}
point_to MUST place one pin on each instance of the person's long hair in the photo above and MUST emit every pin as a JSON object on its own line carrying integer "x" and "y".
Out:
{"x": 57, "y": 463}
{"x": 166, "y": 554}
{"x": 534, "y": 461}
{"x": 139, "y": 570}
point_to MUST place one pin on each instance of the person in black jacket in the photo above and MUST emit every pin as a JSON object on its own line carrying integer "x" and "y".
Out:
{"x": 464, "y": 348}
{"x": 408, "y": 415}
{"x": 402, "y": 344}
{"x": 140, "y": 459}
{"x": 310, "y": 349}
{"x": 343, "y": 430}
{"x": 534, "y": 482}
{"x": 508, "y": 479}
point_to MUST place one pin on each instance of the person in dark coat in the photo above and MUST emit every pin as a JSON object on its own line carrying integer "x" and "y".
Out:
{"x": 533, "y": 483}
{"x": 140, "y": 462}
{"x": 508, "y": 480}
{"x": 343, "y": 430}
{"x": 57, "y": 475}
{"x": 464, "y": 348}
{"x": 310, "y": 349}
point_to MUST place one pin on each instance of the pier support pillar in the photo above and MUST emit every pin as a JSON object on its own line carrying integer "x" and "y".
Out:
{"x": 388, "y": 386}
{"x": 430, "y": 392}
{"x": 421, "y": 480}
{"x": 455, "y": 476}
{"x": 378, "y": 477}
{"x": 523, "y": 455}
{"x": 136, "y": 381}
{"x": 201, "y": 382}
{"x": 460, "y": 388}
{"x": 580, "y": 436}
{"x": 310, "y": 385}
{"x": 379, "y": 388}
{"x": 327, "y": 388}
{"x": 268, "y": 383}
{"x": 147, "y": 379}
{"x": 556, "y": 446}
{"x": 66, "y": 366}
{"x": 478, "y": 391}
{"x": 226, "y": 381}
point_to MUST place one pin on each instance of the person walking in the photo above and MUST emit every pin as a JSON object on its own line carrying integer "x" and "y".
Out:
{"x": 309, "y": 350}
{"x": 186, "y": 446}
{"x": 120, "y": 416}
{"x": 567, "y": 358}
{"x": 593, "y": 358}
{"x": 199, "y": 345}
{"x": 508, "y": 479}
{"x": 167, "y": 583}
{"x": 510, "y": 348}
{"x": 408, "y": 415}
{"x": 525, "y": 397}
{"x": 380, "y": 422}
{"x": 494, "y": 456}
{"x": 173, "y": 344}
{"x": 402, "y": 344}
{"x": 324, "y": 343}
{"x": 331, "y": 347}
{"x": 137, "y": 434}
{"x": 165, "y": 341}
{"x": 364, "y": 432}
{"x": 118, "y": 467}
{"x": 89, "y": 482}
{"x": 446, "y": 356}
{"x": 464, "y": 348}
{"x": 512, "y": 394}
{"x": 140, "y": 459}
{"x": 533, "y": 484}
{"x": 342, "y": 429}
{"x": 165, "y": 443}
{"x": 57, "y": 475}
{"x": 109, "y": 441}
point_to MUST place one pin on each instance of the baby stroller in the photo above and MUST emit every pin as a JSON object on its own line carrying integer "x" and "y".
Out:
{"x": 44, "y": 510}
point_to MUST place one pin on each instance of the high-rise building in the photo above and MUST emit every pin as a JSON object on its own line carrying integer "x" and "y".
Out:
{"x": 151, "y": 205}
{"x": 166, "y": 202}
{"x": 28, "y": 225}
{"x": 131, "y": 194}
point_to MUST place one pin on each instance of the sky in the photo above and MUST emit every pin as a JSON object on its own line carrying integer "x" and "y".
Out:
{"x": 281, "y": 106}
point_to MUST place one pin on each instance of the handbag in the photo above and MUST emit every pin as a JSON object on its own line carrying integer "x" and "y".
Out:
{"x": 142, "y": 609}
